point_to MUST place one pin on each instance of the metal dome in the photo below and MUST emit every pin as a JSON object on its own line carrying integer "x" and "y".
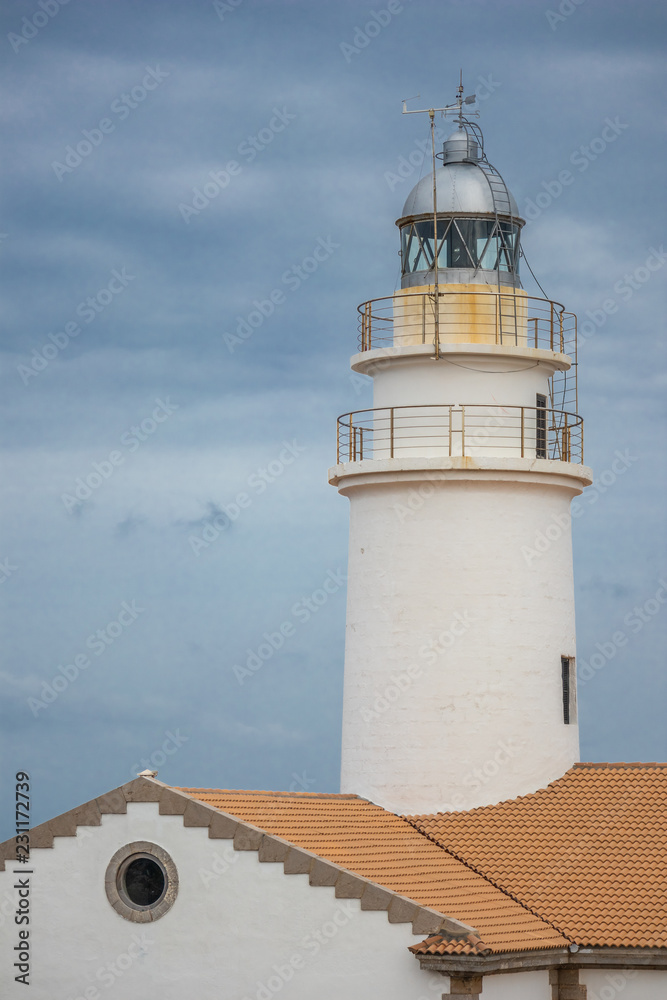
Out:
{"x": 461, "y": 187}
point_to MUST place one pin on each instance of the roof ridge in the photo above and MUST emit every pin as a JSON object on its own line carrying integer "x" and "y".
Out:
{"x": 483, "y": 875}
{"x": 191, "y": 789}
{"x": 618, "y": 764}
{"x": 503, "y": 802}
{"x": 577, "y": 766}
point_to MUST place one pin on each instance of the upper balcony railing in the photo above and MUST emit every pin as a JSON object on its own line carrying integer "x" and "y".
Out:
{"x": 483, "y": 316}
{"x": 473, "y": 431}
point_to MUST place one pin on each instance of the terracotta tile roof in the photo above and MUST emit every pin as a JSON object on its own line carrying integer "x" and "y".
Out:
{"x": 382, "y": 847}
{"x": 588, "y": 853}
{"x": 439, "y": 944}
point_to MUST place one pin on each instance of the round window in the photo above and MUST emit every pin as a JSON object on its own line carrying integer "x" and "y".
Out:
{"x": 141, "y": 882}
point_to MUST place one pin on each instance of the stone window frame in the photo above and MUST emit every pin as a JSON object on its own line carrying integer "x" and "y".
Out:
{"x": 115, "y": 868}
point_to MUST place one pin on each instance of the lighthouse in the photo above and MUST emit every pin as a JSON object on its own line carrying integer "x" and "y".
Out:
{"x": 460, "y": 659}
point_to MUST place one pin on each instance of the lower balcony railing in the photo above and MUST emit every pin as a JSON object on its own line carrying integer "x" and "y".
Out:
{"x": 475, "y": 431}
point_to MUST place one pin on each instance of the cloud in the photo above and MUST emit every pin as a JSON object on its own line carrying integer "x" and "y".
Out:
{"x": 321, "y": 177}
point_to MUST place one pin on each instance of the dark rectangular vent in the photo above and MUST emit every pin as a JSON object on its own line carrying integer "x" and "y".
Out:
{"x": 540, "y": 426}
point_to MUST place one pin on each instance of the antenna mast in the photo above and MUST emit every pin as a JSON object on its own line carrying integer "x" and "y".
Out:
{"x": 436, "y": 267}
{"x": 450, "y": 110}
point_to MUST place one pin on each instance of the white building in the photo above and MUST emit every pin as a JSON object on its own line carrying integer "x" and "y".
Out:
{"x": 468, "y": 854}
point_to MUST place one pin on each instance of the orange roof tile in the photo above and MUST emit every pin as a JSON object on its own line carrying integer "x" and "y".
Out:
{"x": 588, "y": 853}
{"x": 382, "y": 847}
{"x": 440, "y": 944}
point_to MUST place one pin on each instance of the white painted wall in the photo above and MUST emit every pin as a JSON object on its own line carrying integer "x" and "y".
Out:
{"x": 225, "y": 936}
{"x": 635, "y": 984}
{"x": 505, "y": 986}
{"x": 517, "y": 986}
{"x": 461, "y": 378}
{"x": 432, "y": 719}
{"x": 491, "y": 386}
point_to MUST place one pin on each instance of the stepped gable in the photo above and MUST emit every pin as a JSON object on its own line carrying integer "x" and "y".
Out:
{"x": 380, "y": 846}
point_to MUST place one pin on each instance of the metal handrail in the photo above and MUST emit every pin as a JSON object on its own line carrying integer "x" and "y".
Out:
{"x": 472, "y": 429}
{"x": 512, "y": 318}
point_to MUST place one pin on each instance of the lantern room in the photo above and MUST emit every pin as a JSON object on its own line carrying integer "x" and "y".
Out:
{"x": 476, "y": 222}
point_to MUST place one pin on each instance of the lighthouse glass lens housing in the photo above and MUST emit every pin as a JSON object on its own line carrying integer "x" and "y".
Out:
{"x": 462, "y": 243}
{"x": 141, "y": 882}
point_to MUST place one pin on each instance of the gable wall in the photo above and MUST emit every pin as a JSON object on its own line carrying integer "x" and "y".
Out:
{"x": 232, "y": 932}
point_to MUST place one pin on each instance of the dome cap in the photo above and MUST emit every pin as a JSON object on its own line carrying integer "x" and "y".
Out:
{"x": 463, "y": 188}
{"x": 460, "y": 146}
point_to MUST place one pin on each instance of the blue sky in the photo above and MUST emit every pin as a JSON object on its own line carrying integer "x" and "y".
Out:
{"x": 172, "y": 344}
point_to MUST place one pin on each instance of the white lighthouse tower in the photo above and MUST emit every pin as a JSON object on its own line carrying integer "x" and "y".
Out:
{"x": 460, "y": 682}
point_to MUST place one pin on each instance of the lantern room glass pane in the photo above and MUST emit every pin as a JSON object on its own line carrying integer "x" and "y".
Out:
{"x": 463, "y": 243}
{"x": 460, "y": 252}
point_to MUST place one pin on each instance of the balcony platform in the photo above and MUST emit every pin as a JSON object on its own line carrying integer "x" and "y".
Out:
{"x": 533, "y": 471}
{"x": 365, "y": 362}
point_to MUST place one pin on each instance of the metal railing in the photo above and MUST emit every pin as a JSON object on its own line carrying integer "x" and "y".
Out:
{"x": 482, "y": 316}
{"x": 441, "y": 430}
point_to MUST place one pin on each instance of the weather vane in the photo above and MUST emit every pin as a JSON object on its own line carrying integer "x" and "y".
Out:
{"x": 450, "y": 110}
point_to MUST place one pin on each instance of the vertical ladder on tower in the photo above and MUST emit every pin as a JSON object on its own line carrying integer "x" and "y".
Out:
{"x": 502, "y": 205}
{"x": 562, "y": 399}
